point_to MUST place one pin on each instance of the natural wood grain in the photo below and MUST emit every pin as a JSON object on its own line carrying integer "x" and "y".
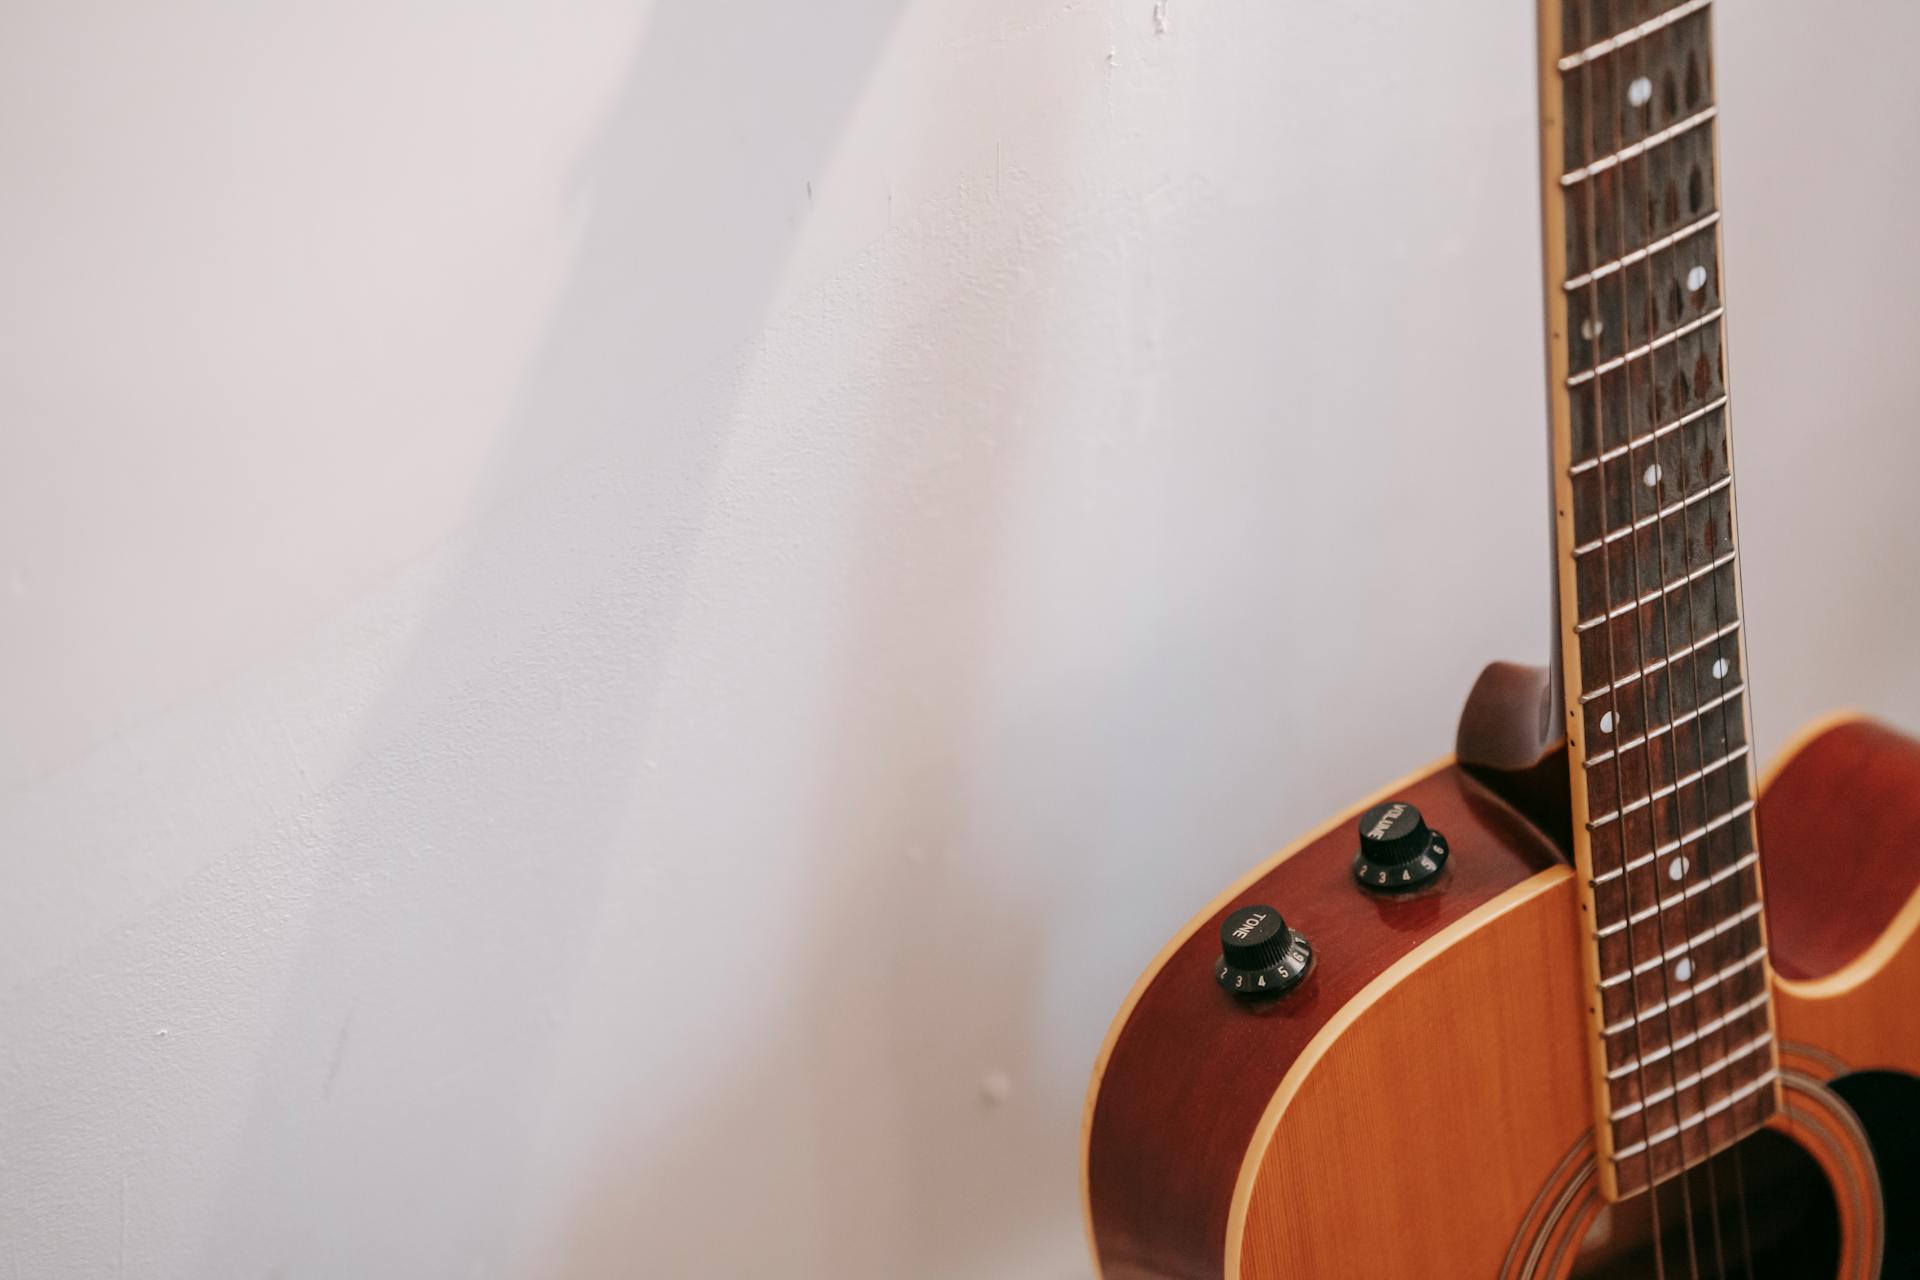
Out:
{"x": 1464, "y": 1069}
{"x": 1191, "y": 1072}
{"x": 1495, "y": 1067}
{"x": 1567, "y": 30}
{"x": 1813, "y": 1118}
{"x": 1210, "y": 914}
{"x": 1587, "y": 22}
{"x": 1866, "y": 1014}
{"x": 1428, "y": 1078}
{"x": 1510, "y": 739}
{"x": 1840, "y": 830}
{"x": 1838, "y": 820}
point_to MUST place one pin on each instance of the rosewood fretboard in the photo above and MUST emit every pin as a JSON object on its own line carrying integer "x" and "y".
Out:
{"x": 1653, "y": 654}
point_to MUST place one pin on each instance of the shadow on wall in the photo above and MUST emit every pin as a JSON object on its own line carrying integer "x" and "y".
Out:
{"x": 860, "y": 1137}
{"x": 407, "y": 1098}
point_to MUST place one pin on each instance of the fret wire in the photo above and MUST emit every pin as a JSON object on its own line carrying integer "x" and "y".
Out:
{"x": 1661, "y": 571}
{"x": 1566, "y": 182}
{"x": 1687, "y": 1082}
{"x": 1738, "y": 1011}
{"x": 1621, "y": 610}
{"x": 1664, "y": 242}
{"x": 1674, "y": 846}
{"x": 1593, "y": 255}
{"x": 1666, "y": 428}
{"x": 1705, "y": 935}
{"x": 1712, "y": 980}
{"x": 1631, "y": 34}
{"x": 1658, "y": 663}
{"x": 1647, "y": 143}
{"x": 1653, "y": 519}
{"x": 1671, "y": 788}
{"x": 1628, "y": 357}
{"x": 1744, "y": 886}
{"x": 1668, "y": 726}
{"x": 1712, "y": 1109}
{"x": 1640, "y": 1021}
{"x": 1692, "y": 891}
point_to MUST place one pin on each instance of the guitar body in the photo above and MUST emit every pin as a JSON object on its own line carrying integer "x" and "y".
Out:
{"x": 1405, "y": 1110}
{"x": 1585, "y": 1002}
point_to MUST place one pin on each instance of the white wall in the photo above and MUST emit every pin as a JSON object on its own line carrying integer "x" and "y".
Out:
{"x": 608, "y": 609}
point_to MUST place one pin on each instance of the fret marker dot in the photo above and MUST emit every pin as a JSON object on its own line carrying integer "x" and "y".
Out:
{"x": 1606, "y": 723}
{"x": 1684, "y": 969}
{"x": 1676, "y": 869}
{"x": 1640, "y": 92}
{"x": 1696, "y": 279}
{"x": 1592, "y": 328}
{"x": 1652, "y": 476}
{"x": 1720, "y": 668}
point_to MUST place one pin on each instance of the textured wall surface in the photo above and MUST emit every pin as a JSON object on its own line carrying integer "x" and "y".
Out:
{"x": 621, "y": 624}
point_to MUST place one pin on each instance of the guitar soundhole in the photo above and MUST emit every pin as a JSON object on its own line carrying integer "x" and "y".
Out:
{"x": 1888, "y": 1105}
{"x": 1790, "y": 1227}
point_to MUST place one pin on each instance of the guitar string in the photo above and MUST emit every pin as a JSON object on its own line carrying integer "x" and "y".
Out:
{"x": 1721, "y": 995}
{"x": 1732, "y": 841}
{"x": 1650, "y": 379}
{"x": 1727, "y": 839}
{"x": 1616, "y": 85}
{"x": 1727, "y": 783}
{"x": 1613, "y": 672}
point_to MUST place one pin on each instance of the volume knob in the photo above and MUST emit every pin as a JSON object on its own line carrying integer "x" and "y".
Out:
{"x": 1398, "y": 850}
{"x": 1259, "y": 954}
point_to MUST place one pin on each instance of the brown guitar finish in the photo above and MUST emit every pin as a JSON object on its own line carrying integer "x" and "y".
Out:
{"x": 1406, "y": 1110}
{"x": 1852, "y": 808}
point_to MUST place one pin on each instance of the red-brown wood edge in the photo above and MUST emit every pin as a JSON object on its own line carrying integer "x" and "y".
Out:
{"x": 1177, "y": 1108}
{"x": 1838, "y": 827}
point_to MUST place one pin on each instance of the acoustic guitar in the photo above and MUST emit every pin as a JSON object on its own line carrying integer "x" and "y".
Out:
{"x": 1528, "y": 1012}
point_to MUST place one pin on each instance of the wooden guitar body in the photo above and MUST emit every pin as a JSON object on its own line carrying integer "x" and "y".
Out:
{"x": 1405, "y": 1111}
{"x": 1585, "y": 1002}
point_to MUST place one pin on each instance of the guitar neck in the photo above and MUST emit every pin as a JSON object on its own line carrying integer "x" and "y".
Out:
{"x": 1652, "y": 633}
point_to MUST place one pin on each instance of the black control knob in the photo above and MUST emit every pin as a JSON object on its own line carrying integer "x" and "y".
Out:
{"x": 1259, "y": 954}
{"x": 1398, "y": 850}
{"x": 1393, "y": 833}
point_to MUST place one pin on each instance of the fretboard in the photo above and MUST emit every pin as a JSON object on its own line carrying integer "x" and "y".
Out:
{"x": 1684, "y": 1062}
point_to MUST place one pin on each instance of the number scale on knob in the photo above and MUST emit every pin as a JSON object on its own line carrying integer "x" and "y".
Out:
{"x": 1259, "y": 954}
{"x": 1398, "y": 851}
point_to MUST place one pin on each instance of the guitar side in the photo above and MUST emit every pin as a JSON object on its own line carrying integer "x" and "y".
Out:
{"x": 1405, "y": 1111}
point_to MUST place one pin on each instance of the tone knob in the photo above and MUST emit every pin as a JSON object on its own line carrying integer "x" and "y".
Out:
{"x": 1398, "y": 850}
{"x": 1259, "y": 954}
